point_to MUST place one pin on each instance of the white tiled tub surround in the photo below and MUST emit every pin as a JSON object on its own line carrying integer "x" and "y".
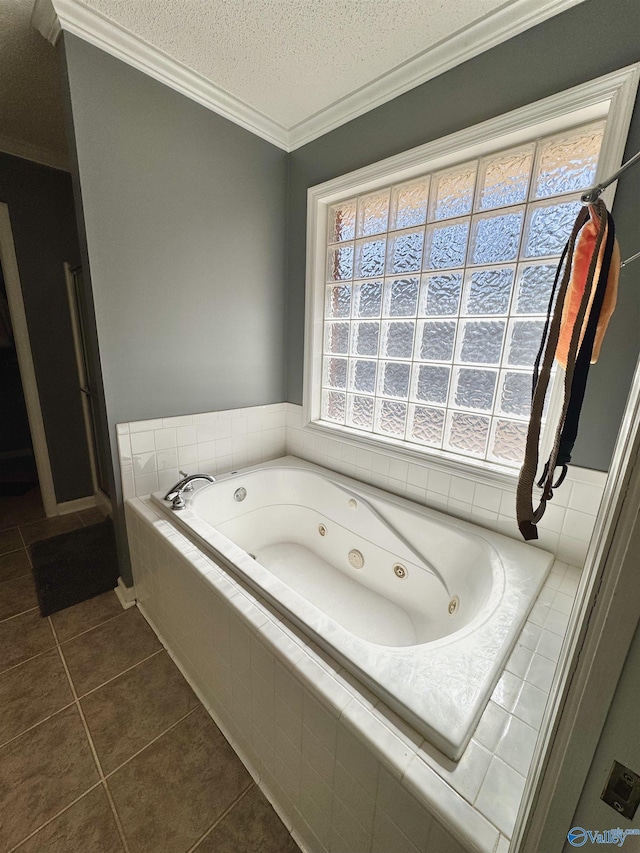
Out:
{"x": 344, "y": 772}
{"x": 153, "y": 451}
{"x": 565, "y": 529}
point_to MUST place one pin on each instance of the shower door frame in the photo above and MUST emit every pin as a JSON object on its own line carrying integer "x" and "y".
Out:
{"x": 25, "y": 362}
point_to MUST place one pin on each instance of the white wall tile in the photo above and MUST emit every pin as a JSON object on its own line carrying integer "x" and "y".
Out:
{"x": 441, "y": 842}
{"x": 165, "y": 438}
{"x": 403, "y": 810}
{"x": 142, "y": 442}
{"x": 517, "y": 745}
{"x": 500, "y": 795}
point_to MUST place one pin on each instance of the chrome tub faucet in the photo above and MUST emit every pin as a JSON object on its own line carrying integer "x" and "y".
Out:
{"x": 175, "y": 492}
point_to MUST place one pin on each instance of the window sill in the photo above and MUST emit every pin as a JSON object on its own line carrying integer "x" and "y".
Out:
{"x": 480, "y": 471}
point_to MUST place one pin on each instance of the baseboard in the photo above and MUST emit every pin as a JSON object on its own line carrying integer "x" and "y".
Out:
{"x": 126, "y": 594}
{"x": 76, "y": 506}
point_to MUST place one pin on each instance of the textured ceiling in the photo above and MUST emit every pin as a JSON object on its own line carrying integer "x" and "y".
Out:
{"x": 291, "y": 58}
{"x": 31, "y": 118}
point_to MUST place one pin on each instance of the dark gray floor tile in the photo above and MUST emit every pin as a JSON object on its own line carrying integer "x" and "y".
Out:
{"x": 21, "y": 509}
{"x": 129, "y": 712}
{"x": 169, "y": 794}
{"x": 17, "y": 596}
{"x": 14, "y": 565}
{"x": 10, "y": 540}
{"x": 31, "y": 692}
{"x": 250, "y": 825}
{"x": 109, "y": 649}
{"x": 23, "y": 637}
{"x": 87, "y": 827}
{"x": 48, "y": 527}
{"x": 88, "y": 614}
{"x": 92, "y": 516}
{"x": 41, "y": 772}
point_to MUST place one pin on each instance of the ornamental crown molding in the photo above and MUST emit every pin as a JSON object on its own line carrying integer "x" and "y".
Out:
{"x": 51, "y": 17}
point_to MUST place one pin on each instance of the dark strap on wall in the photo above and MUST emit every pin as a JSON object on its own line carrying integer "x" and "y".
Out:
{"x": 526, "y": 515}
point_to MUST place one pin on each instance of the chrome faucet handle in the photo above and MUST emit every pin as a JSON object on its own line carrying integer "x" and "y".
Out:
{"x": 189, "y": 486}
{"x": 178, "y": 502}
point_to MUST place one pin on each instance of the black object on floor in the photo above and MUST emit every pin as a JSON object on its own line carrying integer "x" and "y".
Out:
{"x": 74, "y": 566}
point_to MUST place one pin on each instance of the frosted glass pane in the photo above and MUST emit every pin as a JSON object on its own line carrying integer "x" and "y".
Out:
{"x": 475, "y": 388}
{"x": 534, "y": 288}
{"x": 340, "y": 263}
{"x": 468, "y": 433}
{"x": 394, "y": 379}
{"x": 373, "y": 213}
{"x": 568, "y": 163}
{"x": 440, "y": 293}
{"x": 496, "y": 238}
{"x": 549, "y": 228}
{"x": 391, "y": 417}
{"x": 508, "y": 441}
{"x": 481, "y": 341}
{"x": 367, "y": 299}
{"x": 431, "y": 383}
{"x": 363, "y": 376}
{"x": 524, "y": 342}
{"x": 338, "y": 301}
{"x": 515, "y": 394}
{"x": 452, "y": 192}
{"x": 446, "y": 245}
{"x": 365, "y": 338}
{"x": 333, "y": 406}
{"x": 436, "y": 340}
{"x": 360, "y": 412}
{"x": 489, "y": 291}
{"x": 504, "y": 180}
{"x": 336, "y": 338}
{"x": 370, "y": 258}
{"x": 397, "y": 339}
{"x": 405, "y": 252}
{"x": 409, "y": 204}
{"x": 427, "y": 425}
{"x": 342, "y": 221}
{"x": 401, "y": 297}
{"x": 335, "y": 373}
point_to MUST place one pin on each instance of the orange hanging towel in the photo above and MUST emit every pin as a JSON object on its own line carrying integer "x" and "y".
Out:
{"x": 581, "y": 259}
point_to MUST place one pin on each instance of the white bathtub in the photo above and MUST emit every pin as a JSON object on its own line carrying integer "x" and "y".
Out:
{"x": 427, "y": 620}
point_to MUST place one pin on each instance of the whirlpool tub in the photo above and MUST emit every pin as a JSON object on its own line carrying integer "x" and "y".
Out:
{"x": 421, "y": 607}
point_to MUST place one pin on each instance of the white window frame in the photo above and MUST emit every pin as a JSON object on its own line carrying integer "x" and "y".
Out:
{"x": 611, "y": 97}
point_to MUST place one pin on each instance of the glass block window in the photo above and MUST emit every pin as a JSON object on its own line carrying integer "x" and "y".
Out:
{"x": 436, "y": 294}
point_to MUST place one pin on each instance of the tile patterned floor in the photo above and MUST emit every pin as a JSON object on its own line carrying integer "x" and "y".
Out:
{"x": 104, "y": 748}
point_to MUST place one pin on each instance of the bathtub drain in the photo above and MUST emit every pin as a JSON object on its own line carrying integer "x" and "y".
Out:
{"x": 453, "y": 605}
{"x": 399, "y": 570}
{"x": 322, "y": 530}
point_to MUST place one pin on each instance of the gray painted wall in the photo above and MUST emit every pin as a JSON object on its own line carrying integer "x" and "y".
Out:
{"x": 184, "y": 218}
{"x": 594, "y": 38}
{"x": 42, "y": 215}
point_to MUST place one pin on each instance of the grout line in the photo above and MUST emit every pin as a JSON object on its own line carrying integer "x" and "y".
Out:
{"x": 157, "y": 737}
{"x": 91, "y": 743}
{"x": 35, "y": 725}
{"x": 93, "y": 628}
{"x": 24, "y": 544}
{"x": 128, "y": 669}
{"x": 26, "y": 660}
{"x": 116, "y": 817}
{"x": 55, "y": 816}
{"x": 221, "y": 817}
{"x": 15, "y": 615}
{"x": 22, "y": 612}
